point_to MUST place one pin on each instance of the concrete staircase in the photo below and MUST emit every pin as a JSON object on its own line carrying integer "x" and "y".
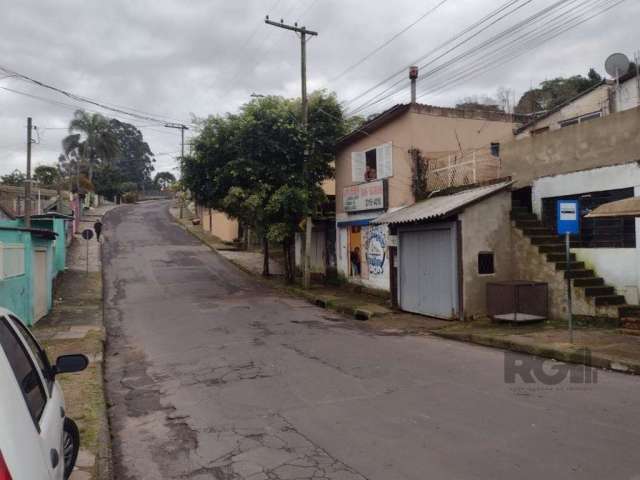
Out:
{"x": 603, "y": 297}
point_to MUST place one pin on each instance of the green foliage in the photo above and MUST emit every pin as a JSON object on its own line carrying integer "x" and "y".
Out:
{"x": 261, "y": 167}
{"x": 15, "y": 178}
{"x": 130, "y": 197}
{"x": 46, "y": 175}
{"x": 552, "y": 93}
{"x": 164, "y": 180}
{"x": 133, "y": 158}
{"x": 90, "y": 139}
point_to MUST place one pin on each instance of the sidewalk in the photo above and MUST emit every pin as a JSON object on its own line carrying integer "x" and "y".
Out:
{"x": 75, "y": 325}
{"x": 608, "y": 348}
{"x": 345, "y": 299}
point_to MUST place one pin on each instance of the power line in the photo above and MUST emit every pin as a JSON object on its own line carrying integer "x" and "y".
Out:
{"x": 542, "y": 38}
{"x": 80, "y": 98}
{"x": 461, "y": 42}
{"x": 502, "y": 37}
{"x": 460, "y": 34}
{"x": 543, "y": 34}
{"x": 387, "y": 42}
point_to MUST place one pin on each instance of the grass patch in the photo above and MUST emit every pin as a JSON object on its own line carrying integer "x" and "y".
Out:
{"x": 83, "y": 392}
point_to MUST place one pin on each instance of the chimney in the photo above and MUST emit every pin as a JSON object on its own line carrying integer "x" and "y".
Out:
{"x": 413, "y": 76}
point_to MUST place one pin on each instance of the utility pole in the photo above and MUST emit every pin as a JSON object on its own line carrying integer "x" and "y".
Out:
{"x": 182, "y": 128}
{"x": 27, "y": 183}
{"x": 303, "y": 32}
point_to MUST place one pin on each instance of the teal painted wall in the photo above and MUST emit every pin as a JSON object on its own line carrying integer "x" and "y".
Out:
{"x": 16, "y": 292}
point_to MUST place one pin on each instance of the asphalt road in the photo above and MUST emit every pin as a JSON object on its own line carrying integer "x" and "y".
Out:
{"x": 213, "y": 376}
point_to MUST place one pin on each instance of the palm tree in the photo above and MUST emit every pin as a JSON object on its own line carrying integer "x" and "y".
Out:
{"x": 98, "y": 144}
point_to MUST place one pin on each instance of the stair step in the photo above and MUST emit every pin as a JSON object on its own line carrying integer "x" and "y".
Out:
{"x": 560, "y": 257}
{"x": 574, "y": 265}
{"x": 524, "y": 216}
{"x": 551, "y": 248}
{"x": 588, "y": 282}
{"x": 578, "y": 274}
{"x": 543, "y": 239}
{"x": 610, "y": 300}
{"x": 537, "y": 230}
{"x": 629, "y": 311}
{"x": 599, "y": 291}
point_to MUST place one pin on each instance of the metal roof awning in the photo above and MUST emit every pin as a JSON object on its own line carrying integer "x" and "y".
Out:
{"x": 627, "y": 207}
{"x": 355, "y": 223}
{"x": 439, "y": 207}
{"x": 38, "y": 232}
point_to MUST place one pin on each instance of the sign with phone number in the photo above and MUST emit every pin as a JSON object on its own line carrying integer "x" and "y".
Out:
{"x": 365, "y": 196}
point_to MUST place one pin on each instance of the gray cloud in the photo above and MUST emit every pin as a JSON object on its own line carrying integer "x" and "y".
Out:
{"x": 175, "y": 58}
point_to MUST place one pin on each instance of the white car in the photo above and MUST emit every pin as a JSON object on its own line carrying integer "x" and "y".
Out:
{"x": 37, "y": 440}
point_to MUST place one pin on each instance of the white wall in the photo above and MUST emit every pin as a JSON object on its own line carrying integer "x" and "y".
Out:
{"x": 627, "y": 96}
{"x": 620, "y": 267}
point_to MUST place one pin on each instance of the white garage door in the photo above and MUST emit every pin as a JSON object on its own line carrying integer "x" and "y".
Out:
{"x": 428, "y": 271}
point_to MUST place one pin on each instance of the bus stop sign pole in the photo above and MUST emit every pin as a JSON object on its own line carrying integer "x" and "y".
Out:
{"x": 568, "y": 220}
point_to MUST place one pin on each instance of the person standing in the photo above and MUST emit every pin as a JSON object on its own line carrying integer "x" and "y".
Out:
{"x": 97, "y": 227}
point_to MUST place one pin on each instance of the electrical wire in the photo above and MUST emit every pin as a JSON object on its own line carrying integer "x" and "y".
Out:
{"x": 558, "y": 30}
{"x": 450, "y": 40}
{"x": 460, "y": 43}
{"x": 481, "y": 64}
{"x": 387, "y": 42}
{"x": 82, "y": 99}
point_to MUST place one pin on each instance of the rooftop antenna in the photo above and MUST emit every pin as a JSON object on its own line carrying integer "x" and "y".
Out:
{"x": 616, "y": 65}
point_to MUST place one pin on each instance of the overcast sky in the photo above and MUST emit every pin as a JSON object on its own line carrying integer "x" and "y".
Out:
{"x": 175, "y": 59}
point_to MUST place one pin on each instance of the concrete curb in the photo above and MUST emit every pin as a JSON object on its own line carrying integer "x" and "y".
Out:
{"x": 104, "y": 455}
{"x": 568, "y": 356}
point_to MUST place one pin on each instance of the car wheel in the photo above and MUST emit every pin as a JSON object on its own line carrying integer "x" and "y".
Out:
{"x": 70, "y": 445}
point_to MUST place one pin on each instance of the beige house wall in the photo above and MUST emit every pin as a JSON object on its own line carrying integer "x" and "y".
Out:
{"x": 485, "y": 227}
{"x": 610, "y": 140}
{"x": 218, "y": 224}
{"x": 434, "y": 131}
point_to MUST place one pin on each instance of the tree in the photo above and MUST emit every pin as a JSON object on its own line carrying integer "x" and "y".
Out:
{"x": 15, "y": 178}
{"x": 46, "y": 175}
{"x": 479, "y": 103}
{"x": 253, "y": 165}
{"x": 552, "y": 93}
{"x": 133, "y": 157}
{"x": 164, "y": 180}
{"x": 98, "y": 142}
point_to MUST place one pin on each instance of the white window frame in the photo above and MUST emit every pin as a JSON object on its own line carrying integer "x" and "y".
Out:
{"x": 5, "y": 248}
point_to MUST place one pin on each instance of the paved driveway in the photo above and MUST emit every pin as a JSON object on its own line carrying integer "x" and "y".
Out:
{"x": 211, "y": 375}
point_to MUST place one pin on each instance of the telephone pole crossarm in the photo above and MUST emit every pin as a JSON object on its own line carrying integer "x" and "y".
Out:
{"x": 293, "y": 28}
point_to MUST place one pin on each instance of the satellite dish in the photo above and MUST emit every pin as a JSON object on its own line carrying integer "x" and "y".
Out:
{"x": 617, "y": 65}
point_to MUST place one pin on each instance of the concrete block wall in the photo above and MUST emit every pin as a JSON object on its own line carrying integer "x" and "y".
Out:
{"x": 530, "y": 264}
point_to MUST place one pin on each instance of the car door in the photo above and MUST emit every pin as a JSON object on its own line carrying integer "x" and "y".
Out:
{"x": 19, "y": 440}
{"x": 43, "y": 397}
{"x": 52, "y": 421}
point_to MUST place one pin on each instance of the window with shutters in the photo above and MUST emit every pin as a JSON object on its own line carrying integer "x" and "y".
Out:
{"x": 372, "y": 164}
{"x": 11, "y": 260}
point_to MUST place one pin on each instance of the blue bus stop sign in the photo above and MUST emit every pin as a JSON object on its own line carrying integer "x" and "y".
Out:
{"x": 568, "y": 214}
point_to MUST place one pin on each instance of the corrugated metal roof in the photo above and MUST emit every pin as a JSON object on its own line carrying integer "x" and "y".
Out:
{"x": 627, "y": 207}
{"x": 437, "y": 207}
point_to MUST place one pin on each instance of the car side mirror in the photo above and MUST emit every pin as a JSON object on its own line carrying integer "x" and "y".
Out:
{"x": 71, "y": 363}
